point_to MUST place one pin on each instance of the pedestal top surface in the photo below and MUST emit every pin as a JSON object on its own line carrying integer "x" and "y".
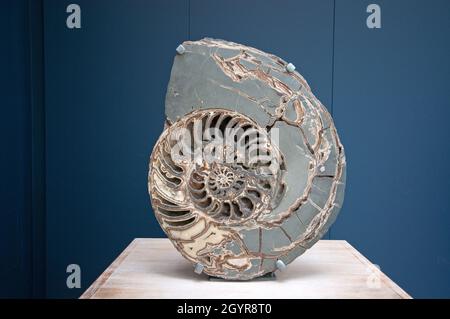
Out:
{"x": 153, "y": 268}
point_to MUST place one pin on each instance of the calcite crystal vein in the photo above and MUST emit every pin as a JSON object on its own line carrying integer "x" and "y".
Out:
{"x": 243, "y": 219}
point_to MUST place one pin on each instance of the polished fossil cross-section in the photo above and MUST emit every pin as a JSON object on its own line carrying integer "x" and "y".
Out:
{"x": 249, "y": 171}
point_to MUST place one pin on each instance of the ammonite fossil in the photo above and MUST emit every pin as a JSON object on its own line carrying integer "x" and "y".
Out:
{"x": 249, "y": 171}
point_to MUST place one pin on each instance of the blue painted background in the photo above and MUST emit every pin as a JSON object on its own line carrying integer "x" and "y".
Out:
{"x": 15, "y": 153}
{"x": 95, "y": 96}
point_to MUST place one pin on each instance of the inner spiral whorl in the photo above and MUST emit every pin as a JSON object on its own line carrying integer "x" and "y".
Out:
{"x": 224, "y": 192}
{"x": 221, "y": 178}
{"x": 225, "y": 182}
{"x": 232, "y": 170}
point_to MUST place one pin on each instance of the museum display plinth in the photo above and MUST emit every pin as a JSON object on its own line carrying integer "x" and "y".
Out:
{"x": 151, "y": 268}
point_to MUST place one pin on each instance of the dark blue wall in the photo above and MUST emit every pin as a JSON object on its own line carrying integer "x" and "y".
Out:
{"x": 392, "y": 106}
{"x": 105, "y": 91}
{"x": 97, "y": 100}
{"x": 15, "y": 153}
